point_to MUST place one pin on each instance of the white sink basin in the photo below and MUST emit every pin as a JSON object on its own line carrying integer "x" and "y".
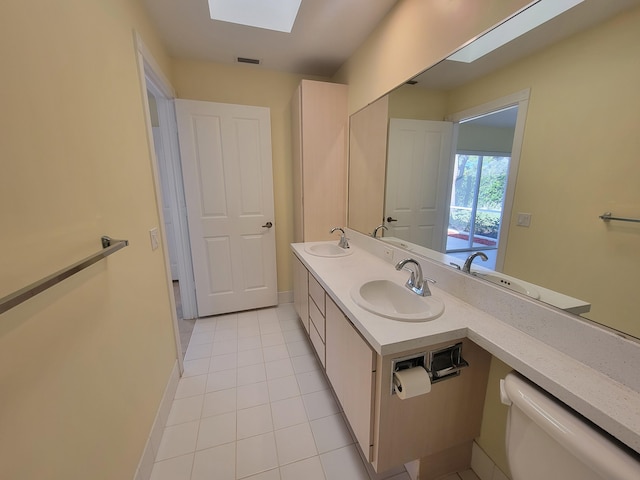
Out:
{"x": 509, "y": 283}
{"x": 390, "y": 300}
{"x": 327, "y": 250}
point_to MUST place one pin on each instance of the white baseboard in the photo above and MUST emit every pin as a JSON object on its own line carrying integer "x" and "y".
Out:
{"x": 285, "y": 297}
{"x": 145, "y": 465}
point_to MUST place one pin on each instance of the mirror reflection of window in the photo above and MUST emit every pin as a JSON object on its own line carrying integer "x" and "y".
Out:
{"x": 480, "y": 173}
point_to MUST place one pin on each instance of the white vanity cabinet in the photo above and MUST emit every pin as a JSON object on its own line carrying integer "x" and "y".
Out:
{"x": 301, "y": 292}
{"x": 438, "y": 428}
{"x": 319, "y": 118}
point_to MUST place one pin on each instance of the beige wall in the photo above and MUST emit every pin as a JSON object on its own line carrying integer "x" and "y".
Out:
{"x": 413, "y": 36}
{"x": 248, "y": 85}
{"x": 83, "y": 365}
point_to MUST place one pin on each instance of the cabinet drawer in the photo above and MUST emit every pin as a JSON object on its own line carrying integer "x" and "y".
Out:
{"x": 317, "y": 319}
{"x": 317, "y": 343}
{"x": 317, "y": 293}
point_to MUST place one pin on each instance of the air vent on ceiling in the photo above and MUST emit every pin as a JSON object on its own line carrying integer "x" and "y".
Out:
{"x": 411, "y": 82}
{"x": 253, "y": 61}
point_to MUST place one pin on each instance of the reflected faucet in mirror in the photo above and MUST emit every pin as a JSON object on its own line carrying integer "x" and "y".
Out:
{"x": 375, "y": 230}
{"x": 466, "y": 268}
{"x": 344, "y": 242}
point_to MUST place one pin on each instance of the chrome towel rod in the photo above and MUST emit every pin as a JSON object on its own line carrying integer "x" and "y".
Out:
{"x": 109, "y": 246}
{"x": 609, "y": 216}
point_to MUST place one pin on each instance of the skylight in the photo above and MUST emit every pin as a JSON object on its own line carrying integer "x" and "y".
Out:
{"x": 527, "y": 20}
{"x": 277, "y": 15}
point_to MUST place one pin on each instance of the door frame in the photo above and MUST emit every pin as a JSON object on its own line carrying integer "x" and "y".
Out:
{"x": 151, "y": 78}
{"x": 521, "y": 99}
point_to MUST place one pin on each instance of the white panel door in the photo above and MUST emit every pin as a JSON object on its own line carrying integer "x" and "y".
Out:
{"x": 419, "y": 154}
{"x": 226, "y": 162}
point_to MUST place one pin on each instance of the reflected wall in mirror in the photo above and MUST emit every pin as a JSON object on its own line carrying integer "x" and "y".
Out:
{"x": 578, "y": 159}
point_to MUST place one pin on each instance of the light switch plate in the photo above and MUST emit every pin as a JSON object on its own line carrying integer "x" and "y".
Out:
{"x": 154, "y": 235}
{"x": 524, "y": 219}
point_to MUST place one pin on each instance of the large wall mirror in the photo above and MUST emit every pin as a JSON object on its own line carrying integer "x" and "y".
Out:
{"x": 518, "y": 154}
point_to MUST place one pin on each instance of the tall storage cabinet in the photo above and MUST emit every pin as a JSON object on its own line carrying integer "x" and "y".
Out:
{"x": 319, "y": 122}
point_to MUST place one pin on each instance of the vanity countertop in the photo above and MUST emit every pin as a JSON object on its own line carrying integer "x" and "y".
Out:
{"x": 613, "y": 406}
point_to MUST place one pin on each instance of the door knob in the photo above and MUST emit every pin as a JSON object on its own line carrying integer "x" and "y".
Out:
{"x": 267, "y": 225}
{"x": 390, "y": 219}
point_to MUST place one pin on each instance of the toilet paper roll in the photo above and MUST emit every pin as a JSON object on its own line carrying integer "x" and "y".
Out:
{"x": 412, "y": 382}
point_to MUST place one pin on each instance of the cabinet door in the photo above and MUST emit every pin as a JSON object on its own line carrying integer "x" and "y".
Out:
{"x": 350, "y": 366}
{"x": 301, "y": 291}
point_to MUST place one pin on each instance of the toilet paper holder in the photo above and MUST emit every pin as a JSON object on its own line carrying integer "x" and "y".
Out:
{"x": 441, "y": 364}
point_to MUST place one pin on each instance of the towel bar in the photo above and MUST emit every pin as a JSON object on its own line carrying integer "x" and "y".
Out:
{"x": 109, "y": 246}
{"x": 609, "y": 216}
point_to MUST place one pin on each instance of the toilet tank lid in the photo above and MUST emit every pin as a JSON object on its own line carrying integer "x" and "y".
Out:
{"x": 582, "y": 439}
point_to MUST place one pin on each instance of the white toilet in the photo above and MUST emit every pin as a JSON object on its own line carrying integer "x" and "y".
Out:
{"x": 547, "y": 441}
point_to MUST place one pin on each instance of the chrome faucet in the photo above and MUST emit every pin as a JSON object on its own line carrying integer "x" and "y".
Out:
{"x": 416, "y": 283}
{"x": 466, "y": 268}
{"x": 344, "y": 242}
{"x": 375, "y": 230}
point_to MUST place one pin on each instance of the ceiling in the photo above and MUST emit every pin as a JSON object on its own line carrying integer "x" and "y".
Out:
{"x": 326, "y": 33}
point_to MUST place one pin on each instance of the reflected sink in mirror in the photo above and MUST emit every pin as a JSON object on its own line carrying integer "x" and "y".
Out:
{"x": 327, "y": 250}
{"x": 509, "y": 283}
{"x": 390, "y": 300}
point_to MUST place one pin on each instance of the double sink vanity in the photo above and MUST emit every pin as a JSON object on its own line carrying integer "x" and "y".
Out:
{"x": 364, "y": 324}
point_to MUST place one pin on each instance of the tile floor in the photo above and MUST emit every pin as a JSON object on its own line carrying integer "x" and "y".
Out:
{"x": 253, "y": 404}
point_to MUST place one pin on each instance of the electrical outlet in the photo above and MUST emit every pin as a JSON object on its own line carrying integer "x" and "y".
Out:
{"x": 388, "y": 254}
{"x": 155, "y": 238}
{"x": 524, "y": 219}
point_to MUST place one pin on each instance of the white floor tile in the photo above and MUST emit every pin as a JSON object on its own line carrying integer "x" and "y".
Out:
{"x": 191, "y": 386}
{"x": 252, "y": 395}
{"x": 216, "y": 430}
{"x": 267, "y": 315}
{"x": 288, "y": 412}
{"x": 275, "y": 352}
{"x": 330, "y": 433}
{"x": 178, "y": 440}
{"x": 297, "y": 349}
{"x": 217, "y": 403}
{"x": 223, "y": 362}
{"x": 281, "y": 388}
{"x": 279, "y": 368}
{"x": 249, "y": 331}
{"x": 249, "y": 343}
{"x": 481, "y": 464}
{"x": 218, "y": 462}
{"x": 201, "y": 338}
{"x": 178, "y": 468}
{"x": 290, "y": 324}
{"x": 247, "y": 319}
{"x": 250, "y": 357}
{"x": 295, "y": 443}
{"x": 254, "y": 421}
{"x": 227, "y": 322}
{"x": 198, "y": 351}
{"x": 256, "y": 455}
{"x": 202, "y": 326}
{"x": 272, "y": 326}
{"x": 305, "y": 363}
{"x": 271, "y": 339}
{"x": 224, "y": 346}
{"x": 308, "y": 469}
{"x": 270, "y": 475}
{"x": 184, "y": 410}
{"x": 196, "y": 367}
{"x": 251, "y": 374}
{"x": 221, "y": 380}
{"x": 320, "y": 404}
{"x": 291, "y": 336}
{"x": 228, "y": 335}
{"x": 310, "y": 382}
{"x": 343, "y": 464}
